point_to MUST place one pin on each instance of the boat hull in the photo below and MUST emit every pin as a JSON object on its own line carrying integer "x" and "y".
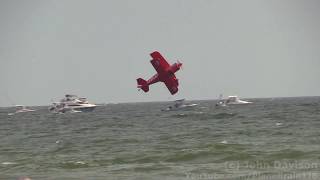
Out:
{"x": 85, "y": 109}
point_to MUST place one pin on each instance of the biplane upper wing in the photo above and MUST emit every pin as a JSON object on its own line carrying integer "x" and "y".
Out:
{"x": 159, "y": 63}
{"x": 172, "y": 84}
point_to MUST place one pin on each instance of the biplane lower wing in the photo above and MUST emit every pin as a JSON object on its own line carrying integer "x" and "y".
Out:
{"x": 172, "y": 84}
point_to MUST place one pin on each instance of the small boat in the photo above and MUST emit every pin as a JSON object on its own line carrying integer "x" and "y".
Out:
{"x": 180, "y": 105}
{"x": 234, "y": 100}
{"x": 231, "y": 100}
{"x": 21, "y": 109}
{"x": 73, "y": 104}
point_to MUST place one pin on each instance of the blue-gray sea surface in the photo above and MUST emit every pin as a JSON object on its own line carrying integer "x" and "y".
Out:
{"x": 275, "y": 138}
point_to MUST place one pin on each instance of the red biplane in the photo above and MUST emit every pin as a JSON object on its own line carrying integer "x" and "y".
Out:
{"x": 165, "y": 74}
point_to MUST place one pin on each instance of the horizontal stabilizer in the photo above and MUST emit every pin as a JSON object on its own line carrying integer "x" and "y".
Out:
{"x": 142, "y": 84}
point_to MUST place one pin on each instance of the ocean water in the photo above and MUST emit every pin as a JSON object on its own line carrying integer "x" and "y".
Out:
{"x": 275, "y": 138}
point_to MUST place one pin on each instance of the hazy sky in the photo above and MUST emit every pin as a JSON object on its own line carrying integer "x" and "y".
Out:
{"x": 97, "y": 48}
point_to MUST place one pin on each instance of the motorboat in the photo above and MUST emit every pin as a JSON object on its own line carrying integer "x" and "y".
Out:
{"x": 78, "y": 103}
{"x": 180, "y": 105}
{"x": 21, "y": 109}
{"x": 72, "y": 103}
{"x": 231, "y": 100}
{"x": 235, "y": 100}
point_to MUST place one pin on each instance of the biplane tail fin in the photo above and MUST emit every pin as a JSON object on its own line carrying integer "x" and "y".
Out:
{"x": 142, "y": 84}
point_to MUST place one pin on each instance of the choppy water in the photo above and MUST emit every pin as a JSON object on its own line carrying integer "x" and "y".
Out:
{"x": 270, "y": 139}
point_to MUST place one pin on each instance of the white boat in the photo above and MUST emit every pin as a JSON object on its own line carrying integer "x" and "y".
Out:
{"x": 21, "y": 109}
{"x": 180, "y": 105}
{"x": 72, "y": 103}
{"x": 235, "y": 100}
{"x": 231, "y": 100}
